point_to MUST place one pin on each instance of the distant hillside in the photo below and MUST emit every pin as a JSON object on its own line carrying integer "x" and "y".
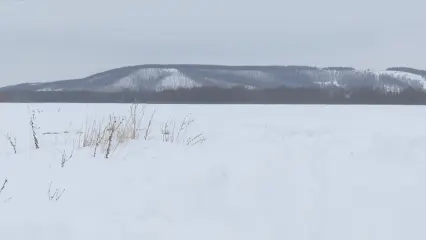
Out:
{"x": 157, "y": 78}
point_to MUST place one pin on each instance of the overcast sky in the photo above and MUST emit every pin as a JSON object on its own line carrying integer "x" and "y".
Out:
{"x": 44, "y": 40}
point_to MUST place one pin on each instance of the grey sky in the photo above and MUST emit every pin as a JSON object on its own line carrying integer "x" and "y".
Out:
{"x": 44, "y": 40}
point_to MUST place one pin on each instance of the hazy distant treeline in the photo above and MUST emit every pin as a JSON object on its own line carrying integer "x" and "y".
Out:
{"x": 226, "y": 96}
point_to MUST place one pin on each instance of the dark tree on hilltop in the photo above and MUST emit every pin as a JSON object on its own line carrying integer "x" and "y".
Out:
{"x": 339, "y": 68}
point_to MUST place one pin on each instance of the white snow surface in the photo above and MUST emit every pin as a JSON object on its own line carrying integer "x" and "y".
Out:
{"x": 265, "y": 172}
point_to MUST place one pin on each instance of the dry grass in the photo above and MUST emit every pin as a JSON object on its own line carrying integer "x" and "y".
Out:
{"x": 178, "y": 133}
{"x": 93, "y": 133}
{"x": 117, "y": 130}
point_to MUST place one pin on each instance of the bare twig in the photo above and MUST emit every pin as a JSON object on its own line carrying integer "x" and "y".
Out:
{"x": 170, "y": 134}
{"x": 91, "y": 133}
{"x": 56, "y": 195}
{"x": 195, "y": 140}
{"x": 65, "y": 157}
{"x": 57, "y": 133}
{"x": 99, "y": 136}
{"x": 135, "y": 119}
{"x": 185, "y": 125}
{"x": 113, "y": 126}
{"x": 148, "y": 127}
{"x": 4, "y": 185}
{"x": 11, "y": 141}
{"x": 34, "y": 132}
{"x": 165, "y": 131}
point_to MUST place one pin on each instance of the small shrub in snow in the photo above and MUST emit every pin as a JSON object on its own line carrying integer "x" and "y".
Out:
{"x": 199, "y": 138}
{"x": 54, "y": 195}
{"x": 34, "y": 129}
{"x": 113, "y": 126}
{"x": 12, "y": 142}
{"x": 93, "y": 134}
{"x": 148, "y": 128}
{"x": 65, "y": 157}
{"x": 172, "y": 134}
{"x": 131, "y": 127}
{"x": 118, "y": 130}
{"x": 135, "y": 119}
{"x": 99, "y": 136}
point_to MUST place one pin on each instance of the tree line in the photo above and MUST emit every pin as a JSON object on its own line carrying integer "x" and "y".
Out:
{"x": 211, "y": 95}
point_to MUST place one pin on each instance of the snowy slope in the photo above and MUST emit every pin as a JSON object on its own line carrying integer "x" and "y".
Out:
{"x": 176, "y": 82}
{"x": 414, "y": 80}
{"x": 155, "y": 79}
{"x": 265, "y": 172}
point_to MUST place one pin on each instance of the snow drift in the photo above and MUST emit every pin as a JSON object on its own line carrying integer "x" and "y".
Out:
{"x": 264, "y": 172}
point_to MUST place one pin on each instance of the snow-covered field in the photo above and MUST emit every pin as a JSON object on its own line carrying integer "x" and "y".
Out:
{"x": 264, "y": 172}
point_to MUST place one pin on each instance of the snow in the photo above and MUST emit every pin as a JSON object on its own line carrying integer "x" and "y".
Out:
{"x": 406, "y": 77}
{"x": 49, "y": 89}
{"x": 392, "y": 88}
{"x": 326, "y": 78}
{"x": 176, "y": 82}
{"x": 265, "y": 172}
{"x": 249, "y": 87}
{"x": 161, "y": 79}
